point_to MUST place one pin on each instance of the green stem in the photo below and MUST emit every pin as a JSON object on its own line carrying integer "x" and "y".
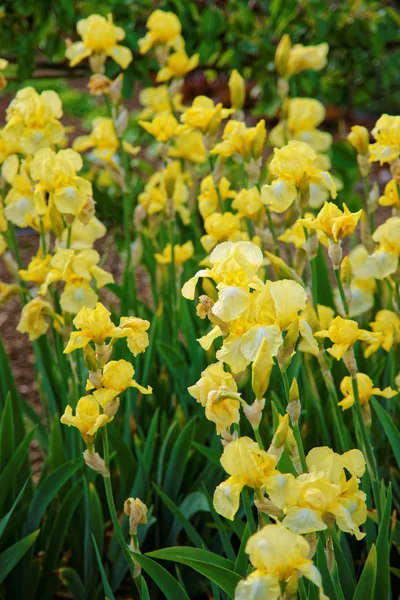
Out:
{"x": 171, "y": 234}
{"x": 111, "y": 506}
{"x": 274, "y": 236}
{"x": 69, "y": 237}
{"x": 361, "y": 430}
{"x": 258, "y": 438}
{"x": 296, "y": 429}
{"x": 341, "y": 292}
{"x": 368, "y": 214}
{"x": 248, "y": 511}
{"x": 333, "y": 402}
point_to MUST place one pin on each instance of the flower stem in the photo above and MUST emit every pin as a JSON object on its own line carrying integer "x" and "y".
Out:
{"x": 258, "y": 438}
{"x": 111, "y": 505}
{"x": 341, "y": 292}
{"x": 272, "y": 229}
{"x": 248, "y": 511}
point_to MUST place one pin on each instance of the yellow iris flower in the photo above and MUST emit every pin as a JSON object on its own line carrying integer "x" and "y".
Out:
{"x": 189, "y": 146}
{"x": 295, "y": 169}
{"x": 312, "y": 500}
{"x": 95, "y": 325}
{"x": 216, "y": 391}
{"x": 103, "y": 139}
{"x": 87, "y": 418}
{"x": 247, "y": 142}
{"x": 178, "y": 65}
{"x": 56, "y": 176}
{"x": 181, "y": 254}
{"x": 156, "y": 100}
{"x": 163, "y": 127}
{"x": 359, "y": 139}
{"x": 220, "y": 228}
{"x": 33, "y": 318}
{"x": 33, "y": 121}
{"x": 248, "y": 203}
{"x": 344, "y": 333}
{"x": 366, "y": 390}
{"x": 280, "y": 557}
{"x": 387, "y": 324}
{"x": 210, "y": 195}
{"x": 304, "y": 115}
{"x": 391, "y": 196}
{"x": 247, "y": 465}
{"x": 163, "y": 28}
{"x": 99, "y": 38}
{"x": 117, "y": 376}
{"x": 387, "y": 140}
{"x": 332, "y": 221}
{"x": 290, "y": 60}
{"x": 237, "y": 90}
{"x": 204, "y": 115}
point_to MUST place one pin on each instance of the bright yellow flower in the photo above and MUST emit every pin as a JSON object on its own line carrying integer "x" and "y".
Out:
{"x": 33, "y": 120}
{"x": 311, "y": 500}
{"x": 84, "y": 235}
{"x": 117, "y": 377}
{"x": 280, "y": 558}
{"x": 321, "y": 319}
{"x": 295, "y": 170}
{"x": 304, "y": 115}
{"x": 87, "y": 418}
{"x": 344, "y": 333}
{"x": 178, "y": 65}
{"x": 302, "y": 58}
{"x": 163, "y": 127}
{"x": 216, "y": 391}
{"x": 210, "y": 195}
{"x": 156, "y": 100}
{"x": 8, "y": 290}
{"x": 359, "y": 139}
{"x": 296, "y": 235}
{"x": 247, "y": 465}
{"x": 94, "y": 325}
{"x": 170, "y": 184}
{"x": 248, "y": 203}
{"x": 335, "y": 223}
{"x": 387, "y": 140}
{"x": 37, "y": 269}
{"x": 237, "y": 90}
{"x": 387, "y": 323}
{"x": 204, "y": 115}
{"x": 189, "y": 146}
{"x": 56, "y": 176}
{"x": 366, "y": 390}
{"x": 219, "y": 228}
{"x": 181, "y": 254}
{"x": 137, "y": 338}
{"x": 163, "y": 28}
{"x": 247, "y": 142}
{"x": 99, "y": 38}
{"x": 391, "y": 195}
{"x": 103, "y": 139}
{"x": 33, "y": 321}
{"x": 234, "y": 269}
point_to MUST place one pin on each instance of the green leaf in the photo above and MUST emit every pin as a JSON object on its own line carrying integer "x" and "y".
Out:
{"x": 11, "y": 557}
{"x": 383, "y": 548}
{"x": 365, "y": 589}
{"x": 6, "y": 433}
{"x": 242, "y": 559}
{"x": 96, "y": 517}
{"x": 225, "y": 540}
{"x": 107, "y": 588}
{"x": 56, "y": 445}
{"x": 186, "y": 525}
{"x": 178, "y": 460}
{"x": 4, "y": 521}
{"x": 48, "y": 490}
{"x": 389, "y": 427}
{"x": 171, "y": 589}
{"x": 72, "y": 581}
{"x": 11, "y": 470}
{"x": 211, "y": 567}
{"x": 210, "y": 454}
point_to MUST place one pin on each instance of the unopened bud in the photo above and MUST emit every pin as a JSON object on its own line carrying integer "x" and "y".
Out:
{"x": 286, "y": 349}
{"x": 281, "y": 432}
{"x": 121, "y": 122}
{"x": 359, "y": 139}
{"x": 95, "y": 462}
{"x": 363, "y": 164}
{"x": 283, "y": 269}
{"x": 137, "y": 513}
{"x": 373, "y": 198}
{"x": 261, "y": 370}
{"x": 254, "y": 411}
{"x": 312, "y": 540}
{"x": 115, "y": 89}
{"x": 282, "y": 56}
{"x": 111, "y": 408}
{"x": 227, "y": 437}
{"x": 311, "y": 245}
{"x": 103, "y": 353}
{"x": 237, "y": 89}
{"x": 335, "y": 253}
{"x": 89, "y": 357}
{"x": 350, "y": 362}
{"x": 136, "y": 251}
{"x": 292, "y": 448}
{"x": 346, "y": 271}
{"x": 294, "y": 407}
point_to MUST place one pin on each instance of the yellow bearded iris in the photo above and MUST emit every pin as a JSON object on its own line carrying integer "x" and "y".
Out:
{"x": 344, "y": 333}
{"x": 181, "y": 254}
{"x": 366, "y": 390}
{"x": 387, "y": 140}
{"x": 163, "y": 28}
{"x": 87, "y": 418}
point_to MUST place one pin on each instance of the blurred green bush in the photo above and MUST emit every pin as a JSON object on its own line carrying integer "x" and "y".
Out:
{"x": 364, "y": 39}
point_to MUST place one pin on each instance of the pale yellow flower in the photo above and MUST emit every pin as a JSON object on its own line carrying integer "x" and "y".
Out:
{"x": 366, "y": 390}
{"x": 210, "y": 195}
{"x": 87, "y": 418}
{"x": 99, "y": 38}
{"x": 387, "y": 324}
{"x": 163, "y": 127}
{"x": 219, "y": 228}
{"x": 117, "y": 376}
{"x": 247, "y": 142}
{"x": 103, "y": 139}
{"x": 248, "y": 203}
{"x": 387, "y": 140}
{"x": 359, "y": 139}
{"x": 344, "y": 333}
{"x": 33, "y": 318}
